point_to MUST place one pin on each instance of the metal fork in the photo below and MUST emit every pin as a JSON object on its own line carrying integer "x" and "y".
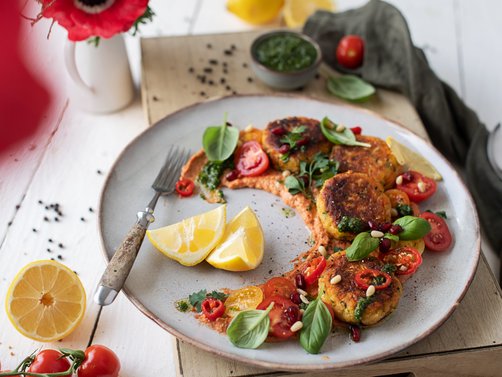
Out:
{"x": 121, "y": 263}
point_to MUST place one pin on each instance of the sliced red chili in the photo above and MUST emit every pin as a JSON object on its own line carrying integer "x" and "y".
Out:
{"x": 185, "y": 187}
{"x": 368, "y": 276}
{"x": 314, "y": 270}
{"x": 213, "y": 308}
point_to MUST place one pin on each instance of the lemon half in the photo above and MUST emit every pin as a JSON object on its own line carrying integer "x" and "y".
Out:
{"x": 191, "y": 240}
{"x": 296, "y": 12}
{"x": 45, "y": 301}
{"x": 242, "y": 245}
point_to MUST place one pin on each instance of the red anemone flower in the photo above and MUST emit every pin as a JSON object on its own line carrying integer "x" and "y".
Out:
{"x": 94, "y": 18}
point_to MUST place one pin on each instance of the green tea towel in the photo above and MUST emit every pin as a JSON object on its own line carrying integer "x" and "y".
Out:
{"x": 391, "y": 61}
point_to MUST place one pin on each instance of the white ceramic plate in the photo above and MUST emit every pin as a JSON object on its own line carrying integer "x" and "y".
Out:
{"x": 156, "y": 282}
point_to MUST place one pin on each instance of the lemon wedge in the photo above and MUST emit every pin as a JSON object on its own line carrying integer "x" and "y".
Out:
{"x": 255, "y": 11}
{"x": 412, "y": 160}
{"x": 191, "y": 240}
{"x": 45, "y": 301}
{"x": 296, "y": 12}
{"x": 241, "y": 248}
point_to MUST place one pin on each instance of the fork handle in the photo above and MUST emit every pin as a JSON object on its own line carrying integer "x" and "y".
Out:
{"x": 120, "y": 265}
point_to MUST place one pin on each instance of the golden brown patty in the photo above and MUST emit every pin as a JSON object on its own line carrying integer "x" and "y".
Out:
{"x": 353, "y": 195}
{"x": 344, "y": 296}
{"x": 275, "y": 134}
{"x": 378, "y": 161}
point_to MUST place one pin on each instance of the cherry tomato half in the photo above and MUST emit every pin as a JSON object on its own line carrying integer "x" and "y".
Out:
{"x": 49, "y": 361}
{"x": 350, "y": 51}
{"x": 100, "y": 361}
{"x": 314, "y": 270}
{"x": 439, "y": 238}
{"x": 251, "y": 160}
{"x": 213, "y": 308}
{"x": 185, "y": 187}
{"x": 417, "y": 186}
{"x": 282, "y": 316}
{"x": 406, "y": 259}
{"x": 278, "y": 286}
{"x": 379, "y": 279}
{"x": 243, "y": 299}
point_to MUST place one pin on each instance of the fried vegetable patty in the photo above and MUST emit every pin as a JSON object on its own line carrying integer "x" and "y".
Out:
{"x": 377, "y": 161}
{"x": 354, "y": 195}
{"x": 344, "y": 296}
{"x": 280, "y": 134}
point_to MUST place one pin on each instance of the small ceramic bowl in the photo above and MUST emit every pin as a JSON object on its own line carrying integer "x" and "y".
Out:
{"x": 284, "y": 80}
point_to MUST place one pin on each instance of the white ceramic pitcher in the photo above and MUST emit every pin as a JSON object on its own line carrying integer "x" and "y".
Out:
{"x": 101, "y": 80}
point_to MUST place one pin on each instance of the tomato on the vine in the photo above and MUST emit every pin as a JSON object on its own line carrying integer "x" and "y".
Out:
{"x": 251, "y": 160}
{"x": 350, "y": 51}
{"x": 278, "y": 286}
{"x": 314, "y": 270}
{"x": 49, "y": 361}
{"x": 100, "y": 361}
{"x": 213, "y": 308}
{"x": 282, "y": 316}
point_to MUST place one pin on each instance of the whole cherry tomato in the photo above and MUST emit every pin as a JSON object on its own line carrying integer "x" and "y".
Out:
{"x": 350, "y": 51}
{"x": 439, "y": 238}
{"x": 185, "y": 187}
{"x": 212, "y": 308}
{"x": 251, "y": 160}
{"x": 100, "y": 361}
{"x": 49, "y": 361}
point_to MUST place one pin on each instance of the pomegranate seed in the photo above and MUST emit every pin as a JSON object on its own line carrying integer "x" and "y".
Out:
{"x": 407, "y": 177}
{"x": 355, "y": 333}
{"x": 384, "y": 245}
{"x": 395, "y": 229}
{"x": 356, "y": 130}
{"x": 300, "y": 281}
{"x": 295, "y": 297}
{"x": 279, "y": 131}
{"x": 303, "y": 141}
{"x": 292, "y": 314}
{"x": 385, "y": 227}
{"x": 232, "y": 175}
{"x": 373, "y": 225}
{"x": 284, "y": 148}
{"x": 304, "y": 179}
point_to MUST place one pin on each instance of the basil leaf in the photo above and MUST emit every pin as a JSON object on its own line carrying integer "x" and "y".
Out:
{"x": 219, "y": 142}
{"x": 361, "y": 247}
{"x": 346, "y": 137}
{"x": 294, "y": 185}
{"x": 316, "y": 326}
{"x": 392, "y": 237}
{"x": 413, "y": 227}
{"x": 350, "y": 87}
{"x": 249, "y": 328}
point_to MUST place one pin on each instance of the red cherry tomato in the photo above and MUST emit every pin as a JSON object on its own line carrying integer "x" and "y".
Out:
{"x": 49, "y": 361}
{"x": 356, "y": 130}
{"x": 251, "y": 160}
{"x": 379, "y": 279}
{"x": 185, "y": 187}
{"x": 406, "y": 259}
{"x": 282, "y": 316}
{"x": 278, "y": 286}
{"x": 100, "y": 361}
{"x": 350, "y": 51}
{"x": 417, "y": 186}
{"x": 439, "y": 238}
{"x": 213, "y": 308}
{"x": 314, "y": 270}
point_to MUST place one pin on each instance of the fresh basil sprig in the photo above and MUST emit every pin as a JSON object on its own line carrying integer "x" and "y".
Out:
{"x": 413, "y": 227}
{"x": 350, "y": 87}
{"x": 361, "y": 247}
{"x": 317, "y": 324}
{"x": 345, "y": 137}
{"x": 249, "y": 328}
{"x": 219, "y": 142}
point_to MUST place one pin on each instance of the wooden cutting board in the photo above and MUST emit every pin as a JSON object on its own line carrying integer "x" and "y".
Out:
{"x": 179, "y": 71}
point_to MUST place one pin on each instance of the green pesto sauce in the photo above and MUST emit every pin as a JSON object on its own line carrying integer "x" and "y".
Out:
{"x": 351, "y": 224}
{"x": 210, "y": 176}
{"x": 286, "y": 53}
{"x": 361, "y": 306}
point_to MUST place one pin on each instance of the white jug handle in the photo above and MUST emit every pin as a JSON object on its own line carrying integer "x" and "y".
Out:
{"x": 71, "y": 66}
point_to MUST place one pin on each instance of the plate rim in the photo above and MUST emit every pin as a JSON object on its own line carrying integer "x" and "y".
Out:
{"x": 277, "y": 365}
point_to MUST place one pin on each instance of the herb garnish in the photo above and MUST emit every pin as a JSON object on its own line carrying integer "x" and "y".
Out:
{"x": 249, "y": 328}
{"x": 404, "y": 210}
{"x": 290, "y": 139}
{"x": 389, "y": 268}
{"x": 344, "y": 137}
{"x": 312, "y": 174}
{"x": 362, "y": 246}
{"x": 413, "y": 227}
{"x": 361, "y": 306}
{"x": 351, "y": 224}
{"x": 210, "y": 175}
{"x": 439, "y": 213}
{"x": 317, "y": 324}
{"x": 196, "y": 298}
{"x": 350, "y": 88}
{"x": 182, "y": 305}
{"x": 219, "y": 142}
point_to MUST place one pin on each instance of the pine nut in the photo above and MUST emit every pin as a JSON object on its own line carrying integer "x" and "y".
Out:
{"x": 399, "y": 180}
{"x": 370, "y": 291}
{"x": 421, "y": 186}
{"x": 301, "y": 291}
{"x": 376, "y": 234}
{"x": 304, "y": 299}
{"x": 393, "y": 212}
{"x": 340, "y": 128}
{"x": 335, "y": 279}
{"x": 286, "y": 173}
{"x": 248, "y": 128}
{"x": 403, "y": 268}
{"x": 297, "y": 326}
{"x": 322, "y": 250}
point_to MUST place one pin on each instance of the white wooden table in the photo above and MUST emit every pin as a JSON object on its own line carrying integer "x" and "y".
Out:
{"x": 68, "y": 160}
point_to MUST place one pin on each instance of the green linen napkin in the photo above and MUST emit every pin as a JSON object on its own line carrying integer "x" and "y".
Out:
{"x": 392, "y": 61}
